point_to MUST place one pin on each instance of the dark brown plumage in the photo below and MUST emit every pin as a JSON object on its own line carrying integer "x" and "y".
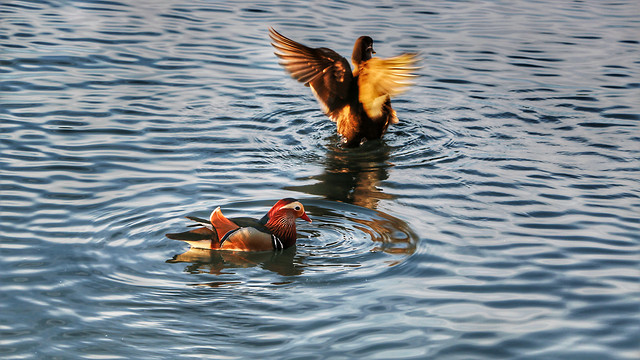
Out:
{"x": 358, "y": 101}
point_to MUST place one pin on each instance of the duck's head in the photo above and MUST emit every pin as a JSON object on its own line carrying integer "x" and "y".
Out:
{"x": 281, "y": 220}
{"x": 288, "y": 208}
{"x": 362, "y": 50}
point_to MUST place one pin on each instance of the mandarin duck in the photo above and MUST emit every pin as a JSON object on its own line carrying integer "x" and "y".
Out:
{"x": 275, "y": 231}
{"x": 357, "y": 101}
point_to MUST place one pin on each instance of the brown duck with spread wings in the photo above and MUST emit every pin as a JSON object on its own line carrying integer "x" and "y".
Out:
{"x": 357, "y": 101}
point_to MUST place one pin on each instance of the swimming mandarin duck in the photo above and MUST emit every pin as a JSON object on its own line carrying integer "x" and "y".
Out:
{"x": 275, "y": 231}
{"x": 357, "y": 101}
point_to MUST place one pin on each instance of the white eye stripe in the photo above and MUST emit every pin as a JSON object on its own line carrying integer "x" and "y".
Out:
{"x": 296, "y": 206}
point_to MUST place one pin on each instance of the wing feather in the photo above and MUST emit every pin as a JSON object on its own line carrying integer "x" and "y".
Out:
{"x": 221, "y": 224}
{"x": 380, "y": 79}
{"x": 325, "y": 71}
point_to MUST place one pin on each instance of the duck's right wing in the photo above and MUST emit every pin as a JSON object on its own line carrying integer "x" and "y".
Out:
{"x": 325, "y": 71}
{"x": 379, "y": 79}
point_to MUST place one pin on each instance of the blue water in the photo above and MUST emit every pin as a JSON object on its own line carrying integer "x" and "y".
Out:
{"x": 498, "y": 220}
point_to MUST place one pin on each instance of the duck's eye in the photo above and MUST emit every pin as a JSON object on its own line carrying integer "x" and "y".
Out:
{"x": 297, "y": 208}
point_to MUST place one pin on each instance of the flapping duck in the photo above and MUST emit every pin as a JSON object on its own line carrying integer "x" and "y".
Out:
{"x": 357, "y": 101}
{"x": 275, "y": 231}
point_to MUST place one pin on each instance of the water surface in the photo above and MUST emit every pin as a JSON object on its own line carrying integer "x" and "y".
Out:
{"x": 497, "y": 220}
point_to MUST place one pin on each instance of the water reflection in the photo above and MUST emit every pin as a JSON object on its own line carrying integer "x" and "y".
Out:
{"x": 347, "y": 230}
{"x": 216, "y": 261}
{"x": 352, "y": 175}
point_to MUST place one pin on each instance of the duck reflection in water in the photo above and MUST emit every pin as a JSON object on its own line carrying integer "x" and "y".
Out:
{"x": 353, "y": 176}
{"x": 201, "y": 261}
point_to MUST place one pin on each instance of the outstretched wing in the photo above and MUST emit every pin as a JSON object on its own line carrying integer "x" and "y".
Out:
{"x": 325, "y": 71}
{"x": 380, "y": 79}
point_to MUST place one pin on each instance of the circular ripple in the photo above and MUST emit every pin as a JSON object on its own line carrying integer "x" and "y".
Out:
{"x": 343, "y": 239}
{"x": 350, "y": 233}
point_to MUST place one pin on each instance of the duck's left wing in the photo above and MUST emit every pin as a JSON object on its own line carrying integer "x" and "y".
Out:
{"x": 325, "y": 71}
{"x": 380, "y": 79}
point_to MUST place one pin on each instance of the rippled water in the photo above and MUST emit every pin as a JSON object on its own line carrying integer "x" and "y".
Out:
{"x": 498, "y": 219}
